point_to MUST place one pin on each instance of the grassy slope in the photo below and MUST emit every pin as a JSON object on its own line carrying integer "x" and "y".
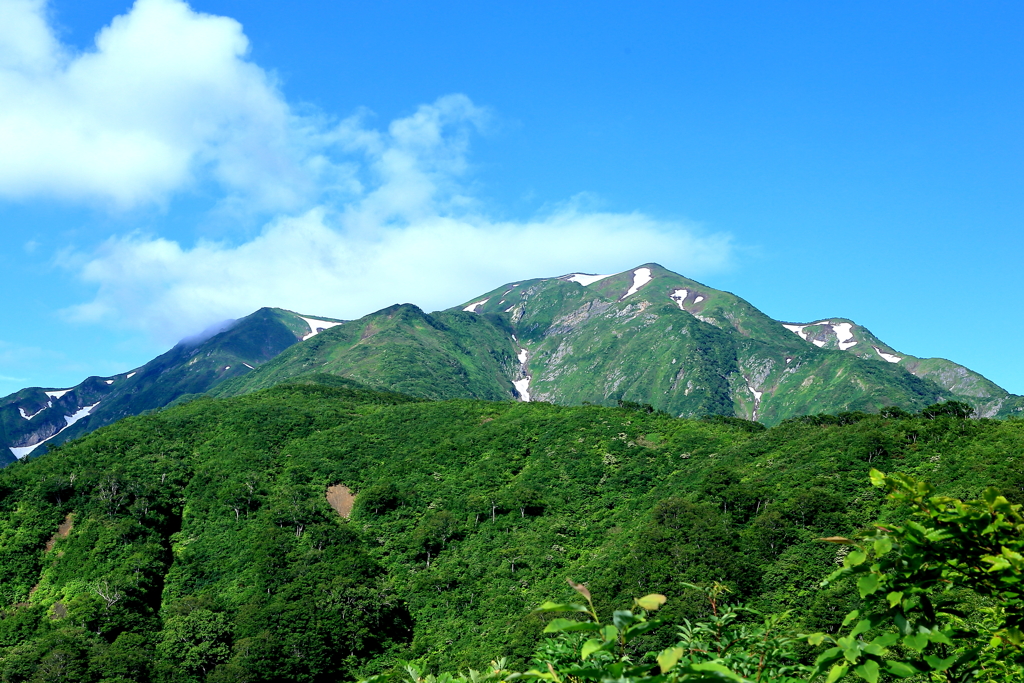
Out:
{"x": 222, "y": 505}
{"x": 400, "y": 348}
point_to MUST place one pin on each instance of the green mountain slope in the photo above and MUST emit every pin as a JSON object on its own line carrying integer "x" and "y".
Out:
{"x": 990, "y": 399}
{"x": 645, "y": 335}
{"x": 198, "y": 543}
{"x": 35, "y": 416}
{"x": 444, "y": 355}
{"x": 652, "y": 336}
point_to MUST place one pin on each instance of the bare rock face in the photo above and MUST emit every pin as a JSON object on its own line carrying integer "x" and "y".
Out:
{"x": 341, "y": 499}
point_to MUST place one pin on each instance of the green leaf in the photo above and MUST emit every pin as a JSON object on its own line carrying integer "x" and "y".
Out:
{"x": 894, "y": 598}
{"x": 669, "y": 658}
{"x": 900, "y": 669}
{"x": 816, "y": 639}
{"x": 867, "y": 584}
{"x": 590, "y": 647}
{"x": 569, "y": 625}
{"x": 651, "y": 602}
{"x": 939, "y": 664}
{"x": 549, "y": 606}
{"x": 863, "y": 626}
{"x": 828, "y": 656}
{"x": 837, "y": 672}
{"x": 877, "y": 478}
{"x": 916, "y": 641}
{"x": 883, "y": 544}
{"x": 868, "y": 671}
{"x": 854, "y": 558}
{"x": 886, "y": 640}
{"x": 850, "y": 617}
{"x": 624, "y": 618}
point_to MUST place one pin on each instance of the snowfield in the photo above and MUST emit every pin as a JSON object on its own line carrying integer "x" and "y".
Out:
{"x": 23, "y": 451}
{"x": 315, "y": 327}
{"x": 585, "y": 280}
{"x": 472, "y": 307}
{"x": 887, "y": 356}
{"x": 641, "y": 276}
{"x": 523, "y": 387}
{"x": 798, "y": 330}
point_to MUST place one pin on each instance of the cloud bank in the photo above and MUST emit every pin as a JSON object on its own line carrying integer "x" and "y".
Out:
{"x": 311, "y": 264}
{"x": 165, "y": 100}
{"x": 365, "y": 217}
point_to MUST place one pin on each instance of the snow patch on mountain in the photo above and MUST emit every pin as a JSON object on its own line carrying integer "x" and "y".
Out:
{"x": 108, "y": 381}
{"x": 641, "y": 276}
{"x": 698, "y": 300}
{"x": 757, "y": 400}
{"x": 57, "y": 394}
{"x": 798, "y": 330}
{"x": 887, "y": 356}
{"x": 472, "y": 307}
{"x": 679, "y": 296}
{"x": 82, "y": 412}
{"x": 248, "y": 366}
{"x": 315, "y": 327}
{"x": 844, "y": 333}
{"x": 523, "y": 387}
{"x": 29, "y": 417}
{"x": 23, "y": 451}
{"x": 585, "y": 279}
{"x": 129, "y": 375}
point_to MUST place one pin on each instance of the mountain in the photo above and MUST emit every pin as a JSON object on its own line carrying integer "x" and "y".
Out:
{"x": 840, "y": 333}
{"x": 219, "y": 540}
{"x": 646, "y": 335}
{"x": 36, "y": 416}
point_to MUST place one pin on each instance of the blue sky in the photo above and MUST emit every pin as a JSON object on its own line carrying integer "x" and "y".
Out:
{"x": 165, "y": 166}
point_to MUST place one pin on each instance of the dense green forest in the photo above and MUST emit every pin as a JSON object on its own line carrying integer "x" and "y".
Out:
{"x": 198, "y": 544}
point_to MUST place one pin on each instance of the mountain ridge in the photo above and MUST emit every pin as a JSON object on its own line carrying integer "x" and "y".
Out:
{"x": 645, "y": 335}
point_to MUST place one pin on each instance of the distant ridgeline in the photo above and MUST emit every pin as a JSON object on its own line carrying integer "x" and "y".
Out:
{"x": 199, "y": 543}
{"x": 646, "y": 336}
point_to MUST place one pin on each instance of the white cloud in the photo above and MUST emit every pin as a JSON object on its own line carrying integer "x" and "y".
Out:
{"x": 312, "y": 265}
{"x": 165, "y": 100}
{"x": 410, "y": 236}
{"x": 366, "y": 217}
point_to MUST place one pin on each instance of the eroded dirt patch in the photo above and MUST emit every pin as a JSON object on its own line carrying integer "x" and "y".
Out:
{"x": 62, "y": 531}
{"x": 341, "y": 499}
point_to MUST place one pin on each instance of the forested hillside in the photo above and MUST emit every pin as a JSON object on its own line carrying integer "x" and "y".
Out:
{"x": 198, "y": 543}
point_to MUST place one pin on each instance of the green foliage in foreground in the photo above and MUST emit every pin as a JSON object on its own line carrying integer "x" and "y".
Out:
{"x": 924, "y": 571}
{"x": 919, "y": 581}
{"x": 197, "y": 544}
